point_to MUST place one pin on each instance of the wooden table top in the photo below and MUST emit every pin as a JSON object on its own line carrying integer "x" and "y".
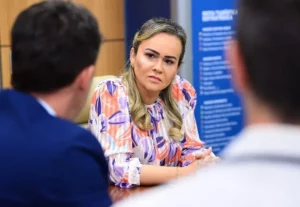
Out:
{"x": 118, "y": 194}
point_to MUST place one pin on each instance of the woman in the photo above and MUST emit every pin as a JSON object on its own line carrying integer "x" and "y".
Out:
{"x": 145, "y": 120}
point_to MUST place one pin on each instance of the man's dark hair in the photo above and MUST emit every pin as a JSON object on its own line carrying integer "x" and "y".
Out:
{"x": 268, "y": 32}
{"x": 52, "y": 42}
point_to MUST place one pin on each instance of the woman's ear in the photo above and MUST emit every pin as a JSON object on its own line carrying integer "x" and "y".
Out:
{"x": 132, "y": 56}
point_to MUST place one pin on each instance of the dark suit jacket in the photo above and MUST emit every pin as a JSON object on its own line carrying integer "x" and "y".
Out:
{"x": 45, "y": 160}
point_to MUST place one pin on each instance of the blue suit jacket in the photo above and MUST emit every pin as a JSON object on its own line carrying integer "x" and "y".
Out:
{"x": 45, "y": 160}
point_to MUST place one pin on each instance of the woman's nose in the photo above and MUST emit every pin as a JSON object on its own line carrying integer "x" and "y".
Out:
{"x": 158, "y": 67}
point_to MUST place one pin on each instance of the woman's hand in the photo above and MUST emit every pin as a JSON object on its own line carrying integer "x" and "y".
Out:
{"x": 207, "y": 156}
{"x": 203, "y": 153}
{"x": 203, "y": 159}
{"x": 207, "y": 161}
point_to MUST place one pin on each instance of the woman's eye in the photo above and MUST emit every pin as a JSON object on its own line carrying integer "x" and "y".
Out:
{"x": 169, "y": 62}
{"x": 149, "y": 55}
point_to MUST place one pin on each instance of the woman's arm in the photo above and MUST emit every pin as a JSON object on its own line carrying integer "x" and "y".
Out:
{"x": 127, "y": 172}
{"x": 154, "y": 175}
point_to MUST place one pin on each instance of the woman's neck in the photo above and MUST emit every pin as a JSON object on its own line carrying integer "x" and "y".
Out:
{"x": 149, "y": 100}
{"x": 148, "y": 97}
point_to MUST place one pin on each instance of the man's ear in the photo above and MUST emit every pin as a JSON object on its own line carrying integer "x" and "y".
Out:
{"x": 238, "y": 67}
{"x": 132, "y": 56}
{"x": 85, "y": 77}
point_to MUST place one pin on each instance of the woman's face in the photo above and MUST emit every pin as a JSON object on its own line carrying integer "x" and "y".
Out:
{"x": 156, "y": 63}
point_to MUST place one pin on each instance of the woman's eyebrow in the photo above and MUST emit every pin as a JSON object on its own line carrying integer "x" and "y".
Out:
{"x": 167, "y": 56}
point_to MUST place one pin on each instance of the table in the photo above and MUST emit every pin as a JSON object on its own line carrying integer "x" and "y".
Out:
{"x": 118, "y": 194}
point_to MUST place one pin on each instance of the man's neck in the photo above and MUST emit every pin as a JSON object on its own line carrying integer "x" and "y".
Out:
{"x": 58, "y": 101}
{"x": 257, "y": 112}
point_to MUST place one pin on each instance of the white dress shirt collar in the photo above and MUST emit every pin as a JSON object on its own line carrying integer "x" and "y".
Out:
{"x": 282, "y": 139}
{"x": 47, "y": 107}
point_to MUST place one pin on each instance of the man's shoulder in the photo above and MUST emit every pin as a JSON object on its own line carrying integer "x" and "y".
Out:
{"x": 22, "y": 117}
{"x": 67, "y": 130}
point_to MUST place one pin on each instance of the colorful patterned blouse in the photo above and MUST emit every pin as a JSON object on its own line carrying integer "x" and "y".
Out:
{"x": 127, "y": 147}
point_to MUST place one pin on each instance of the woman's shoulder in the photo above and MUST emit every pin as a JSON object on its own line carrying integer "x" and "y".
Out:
{"x": 105, "y": 80}
{"x": 182, "y": 89}
{"x": 110, "y": 84}
{"x": 109, "y": 94}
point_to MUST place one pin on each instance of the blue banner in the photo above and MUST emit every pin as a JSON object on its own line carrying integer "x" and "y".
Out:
{"x": 219, "y": 113}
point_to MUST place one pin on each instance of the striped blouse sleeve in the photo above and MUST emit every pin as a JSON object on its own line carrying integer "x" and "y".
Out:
{"x": 111, "y": 123}
{"x": 186, "y": 97}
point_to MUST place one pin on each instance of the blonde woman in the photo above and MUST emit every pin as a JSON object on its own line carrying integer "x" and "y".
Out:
{"x": 145, "y": 120}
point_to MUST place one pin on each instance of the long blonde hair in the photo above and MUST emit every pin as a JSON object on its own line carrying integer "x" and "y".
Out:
{"x": 137, "y": 108}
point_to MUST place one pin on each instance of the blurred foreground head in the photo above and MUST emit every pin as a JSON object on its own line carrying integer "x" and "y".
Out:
{"x": 266, "y": 57}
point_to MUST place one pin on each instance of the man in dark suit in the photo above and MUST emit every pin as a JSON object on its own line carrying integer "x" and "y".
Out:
{"x": 45, "y": 159}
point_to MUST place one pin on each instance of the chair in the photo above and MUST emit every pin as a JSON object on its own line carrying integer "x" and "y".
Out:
{"x": 83, "y": 118}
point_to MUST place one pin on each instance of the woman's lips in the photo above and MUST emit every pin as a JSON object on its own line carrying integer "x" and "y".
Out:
{"x": 155, "y": 78}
